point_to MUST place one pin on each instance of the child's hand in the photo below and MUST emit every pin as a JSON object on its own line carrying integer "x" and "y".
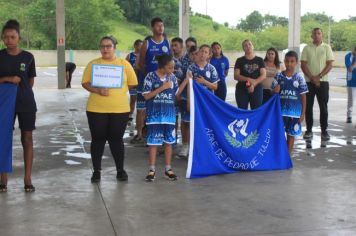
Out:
{"x": 189, "y": 75}
{"x": 14, "y": 79}
{"x": 103, "y": 92}
{"x": 277, "y": 89}
{"x": 301, "y": 119}
{"x": 167, "y": 85}
{"x": 200, "y": 80}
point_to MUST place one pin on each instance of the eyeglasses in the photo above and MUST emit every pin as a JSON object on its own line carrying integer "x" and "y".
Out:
{"x": 109, "y": 46}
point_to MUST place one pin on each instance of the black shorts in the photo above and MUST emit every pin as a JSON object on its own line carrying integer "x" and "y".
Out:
{"x": 26, "y": 120}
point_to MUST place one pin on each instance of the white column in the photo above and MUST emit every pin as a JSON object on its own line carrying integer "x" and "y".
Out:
{"x": 60, "y": 24}
{"x": 184, "y": 19}
{"x": 294, "y": 25}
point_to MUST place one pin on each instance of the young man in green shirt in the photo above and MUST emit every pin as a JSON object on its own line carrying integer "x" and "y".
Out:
{"x": 317, "y": 59}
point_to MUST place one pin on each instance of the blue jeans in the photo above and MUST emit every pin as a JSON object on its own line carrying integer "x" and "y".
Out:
{"x": 222, "y": 90}
{"x": 243, "y": 97}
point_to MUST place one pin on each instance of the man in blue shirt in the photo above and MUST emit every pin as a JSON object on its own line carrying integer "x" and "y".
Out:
{"x": 350, "y": 64}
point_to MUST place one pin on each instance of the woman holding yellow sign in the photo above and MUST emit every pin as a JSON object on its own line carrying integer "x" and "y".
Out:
{"x": 108, "y": 79}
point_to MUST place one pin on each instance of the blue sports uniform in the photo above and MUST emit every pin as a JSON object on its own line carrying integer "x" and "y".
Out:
{"x": 208, "y": 73}
{"x": 153, "y": 49}
{"x": 221, "y": 65}
{"x": 291, "y": 103}
{"x": 132, "y": 57}
{"x": 160, "y": 110}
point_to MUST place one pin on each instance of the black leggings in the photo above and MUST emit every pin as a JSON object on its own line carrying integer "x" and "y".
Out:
{"x": 107, "y": 127}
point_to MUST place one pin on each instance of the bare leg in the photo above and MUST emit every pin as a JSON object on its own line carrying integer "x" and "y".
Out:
{"x": 168, "y": 154}
{"x": 152, "y": 153}
{"x": 290, "y": 143}
{"x": 27, "y": 144}
{"x": 140, "y": 119}
{"x": 133, "y": 99}
{"x": 3, "y": 178}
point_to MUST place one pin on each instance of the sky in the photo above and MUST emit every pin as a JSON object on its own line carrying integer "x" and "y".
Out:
{"x": 232, "y": 11}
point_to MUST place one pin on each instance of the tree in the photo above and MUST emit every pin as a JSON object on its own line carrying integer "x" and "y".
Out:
{"x": 252, "y": 23}
{"x": 271, "y": 20}
{"x": 86, "y": 21}
{"x": 321, "y": 18}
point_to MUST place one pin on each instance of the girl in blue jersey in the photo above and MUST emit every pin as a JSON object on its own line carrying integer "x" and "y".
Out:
{"x": 292, "y": 89}
{"x": 203, "y": 72}
{"x": 221, "y": 64}
{"x": 160, "y": 89}
{"x": 132, "y": 58}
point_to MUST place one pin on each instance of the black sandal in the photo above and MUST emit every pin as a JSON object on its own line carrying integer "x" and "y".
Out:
{"x": 3, "y": 188}
{"x": 29, "y": 188}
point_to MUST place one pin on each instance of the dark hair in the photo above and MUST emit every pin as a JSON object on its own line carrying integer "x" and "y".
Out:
{"x": 316, "y": 29}
{"x": 11, "y": 25}
{"x": 156, "y": 20}
{"x": 191, "y": 39}
{"x": 178, "y": 40}
{"x": 137, "y": 42}
{"x": 192, "y": 49}
{"x": 292, "y": 54}
{"x": 246, "y": 40}
{"x": 163, "y": 60}
{"x": 205, "y": 46}
{"x": 217, "y": 43}
{"x": 111, "y": 38}
{"x": 276, "y": 62}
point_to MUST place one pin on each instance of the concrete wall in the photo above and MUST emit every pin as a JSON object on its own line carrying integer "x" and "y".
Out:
{"x": 82, "y": 57}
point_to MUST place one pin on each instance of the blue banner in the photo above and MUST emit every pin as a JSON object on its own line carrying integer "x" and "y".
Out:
{"x": 225, "y": 139}
{"x": 7, "y": 111}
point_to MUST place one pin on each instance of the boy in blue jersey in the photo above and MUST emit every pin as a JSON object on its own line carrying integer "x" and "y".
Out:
{"x": 292, "y": 89}
{"x": 160, "y": 89}
{"x": 132, "y": 57}
{"x": 152, "y": 46}
{"x": 182, "y": 99}
{"x": 177, "y": 50}
{"x": 186, "y": 61}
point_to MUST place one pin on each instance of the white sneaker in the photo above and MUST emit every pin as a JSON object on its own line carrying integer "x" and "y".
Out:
{"x": 184, "y": 151}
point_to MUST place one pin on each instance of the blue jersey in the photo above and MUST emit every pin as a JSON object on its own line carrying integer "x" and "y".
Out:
{"x": 132, "y": 59}
{"x": 351, "y": 76}
{"x": 221, "y": 65}
{"x": 290, "y": 93}
{"x": 185, "y": 63}
{"x": 178, "y": 69}
{"x": 208, "y": 72}
{"x": 160, "y": 109}
{"x": 154, "y": 49}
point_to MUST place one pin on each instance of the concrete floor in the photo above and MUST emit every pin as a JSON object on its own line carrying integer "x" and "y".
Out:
{"x": 316, "y": 197}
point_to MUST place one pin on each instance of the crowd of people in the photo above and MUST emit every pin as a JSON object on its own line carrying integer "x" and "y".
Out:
{"x": 157, "y": 75}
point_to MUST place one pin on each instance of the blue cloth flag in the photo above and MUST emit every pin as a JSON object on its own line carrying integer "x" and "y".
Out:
{"x": 7, "y": 110}
{"x": 226, "y": 139}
